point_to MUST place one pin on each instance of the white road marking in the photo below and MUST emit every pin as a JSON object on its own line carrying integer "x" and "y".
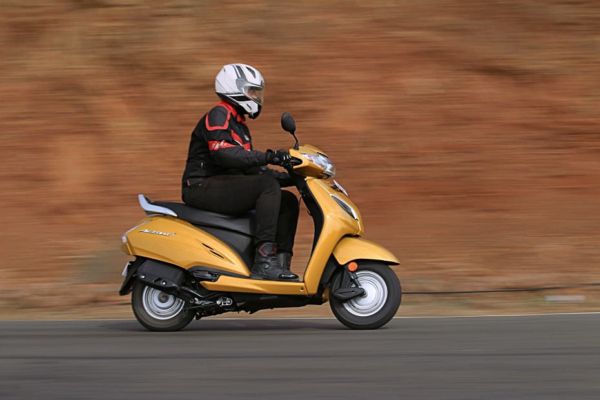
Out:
{"x": 323, "y": 318}
{"x": 424, "y": 316}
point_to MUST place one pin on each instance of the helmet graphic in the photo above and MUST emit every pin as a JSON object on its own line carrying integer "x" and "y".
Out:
{"x": 241, "y": 85}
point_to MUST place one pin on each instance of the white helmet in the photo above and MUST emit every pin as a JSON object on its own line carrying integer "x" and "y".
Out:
{"x": 241, "y": 85}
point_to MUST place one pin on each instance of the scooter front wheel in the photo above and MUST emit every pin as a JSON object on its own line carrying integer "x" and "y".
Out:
{"x": 159, "y": 311}
{"x": 377, "y": 306}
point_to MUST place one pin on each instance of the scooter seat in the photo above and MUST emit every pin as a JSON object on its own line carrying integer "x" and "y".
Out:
{"x": 244, "y": 224}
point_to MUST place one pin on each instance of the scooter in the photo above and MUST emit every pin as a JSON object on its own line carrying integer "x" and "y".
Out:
{"x": 195, "y": 263}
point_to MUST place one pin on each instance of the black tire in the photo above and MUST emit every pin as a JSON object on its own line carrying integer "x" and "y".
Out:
{"x": 179, "y": 320}
{"x": 351, "y": 318}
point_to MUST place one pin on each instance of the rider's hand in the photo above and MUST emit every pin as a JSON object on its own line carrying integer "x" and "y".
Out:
{"x": 279, "y": 157}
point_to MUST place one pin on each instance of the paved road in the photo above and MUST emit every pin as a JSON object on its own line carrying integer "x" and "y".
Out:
{"x": 541, "y": 357}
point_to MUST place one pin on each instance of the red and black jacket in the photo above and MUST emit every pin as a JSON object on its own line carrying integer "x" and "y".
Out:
{"x": 221, "y": 144}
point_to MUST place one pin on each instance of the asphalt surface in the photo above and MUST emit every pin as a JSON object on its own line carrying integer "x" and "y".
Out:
{"x": 527, "y": 357}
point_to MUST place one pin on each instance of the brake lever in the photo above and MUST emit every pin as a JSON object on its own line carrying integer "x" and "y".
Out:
{"x": 289, "y": 165}
{"x": 295, "y": 161}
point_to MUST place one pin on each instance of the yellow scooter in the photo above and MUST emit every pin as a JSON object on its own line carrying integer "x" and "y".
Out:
{"x": 194, "y": 263}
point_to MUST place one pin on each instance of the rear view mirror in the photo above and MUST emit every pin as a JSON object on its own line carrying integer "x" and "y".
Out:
{"x": 288, "y": 123}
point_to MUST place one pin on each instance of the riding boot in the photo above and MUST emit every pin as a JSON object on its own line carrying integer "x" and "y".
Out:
{"x": 266, "y": 264}
{"x": 285, "y": 259}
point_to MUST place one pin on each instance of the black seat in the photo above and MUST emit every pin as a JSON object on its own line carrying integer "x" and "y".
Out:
{"x": 244, "y": 224}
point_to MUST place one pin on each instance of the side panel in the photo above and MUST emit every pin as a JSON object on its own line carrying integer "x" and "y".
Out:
{"x": 354, "y": 248}
{"x": 336, "y": 224}
{"x": 180, "y": 243}
{"x": 243, "y": 244}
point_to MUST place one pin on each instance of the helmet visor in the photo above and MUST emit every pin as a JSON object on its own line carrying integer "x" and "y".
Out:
{"x": 255, "y": 93}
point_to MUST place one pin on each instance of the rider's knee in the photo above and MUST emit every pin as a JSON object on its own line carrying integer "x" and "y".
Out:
{"x": 268, "y": 183}
{"x": 289, "y": 201}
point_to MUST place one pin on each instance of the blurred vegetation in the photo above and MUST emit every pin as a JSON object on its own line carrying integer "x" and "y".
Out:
{"x": 467, "y": 131}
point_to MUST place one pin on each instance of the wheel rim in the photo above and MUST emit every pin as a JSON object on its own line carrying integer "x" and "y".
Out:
{"x": 376, "y": 293}
{"x": 161, "y": 305}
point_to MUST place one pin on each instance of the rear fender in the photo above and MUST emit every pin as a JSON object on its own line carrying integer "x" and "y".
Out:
{"x": 156, "y": 274}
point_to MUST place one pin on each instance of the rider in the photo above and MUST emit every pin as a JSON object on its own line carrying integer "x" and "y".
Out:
{"x": 224, "y": 174}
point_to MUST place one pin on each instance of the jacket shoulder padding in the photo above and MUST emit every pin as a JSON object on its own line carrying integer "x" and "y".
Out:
{"x": 217, "y": 118}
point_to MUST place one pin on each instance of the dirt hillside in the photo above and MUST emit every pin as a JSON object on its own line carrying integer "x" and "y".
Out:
{"x": 468, "y": 132}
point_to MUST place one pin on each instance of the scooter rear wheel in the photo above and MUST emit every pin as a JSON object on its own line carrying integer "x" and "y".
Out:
{"x": 159, "y": 311}
{"x": 378, "y": 306}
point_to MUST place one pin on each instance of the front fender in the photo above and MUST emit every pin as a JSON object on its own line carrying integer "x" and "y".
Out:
{"x": 356, "y": 248}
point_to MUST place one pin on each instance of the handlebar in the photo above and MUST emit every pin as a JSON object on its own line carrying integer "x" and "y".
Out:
{"x": 289, "y": 166}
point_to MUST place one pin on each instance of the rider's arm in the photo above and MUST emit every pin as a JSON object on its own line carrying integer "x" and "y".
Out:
{"x": 226, "y": 148}
{"x": 229, "y": 155}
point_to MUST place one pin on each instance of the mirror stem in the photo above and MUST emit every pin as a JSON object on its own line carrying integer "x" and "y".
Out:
{"x": 296, "y": 145}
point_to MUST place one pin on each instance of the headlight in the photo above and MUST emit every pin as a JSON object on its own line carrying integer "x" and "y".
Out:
{"x": 323, "y": 162}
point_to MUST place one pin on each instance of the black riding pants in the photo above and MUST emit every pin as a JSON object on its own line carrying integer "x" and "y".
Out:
{"x": 276, "y": 210}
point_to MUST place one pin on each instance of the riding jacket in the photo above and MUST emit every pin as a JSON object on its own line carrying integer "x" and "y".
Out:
{"x": 221, "y": 145}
